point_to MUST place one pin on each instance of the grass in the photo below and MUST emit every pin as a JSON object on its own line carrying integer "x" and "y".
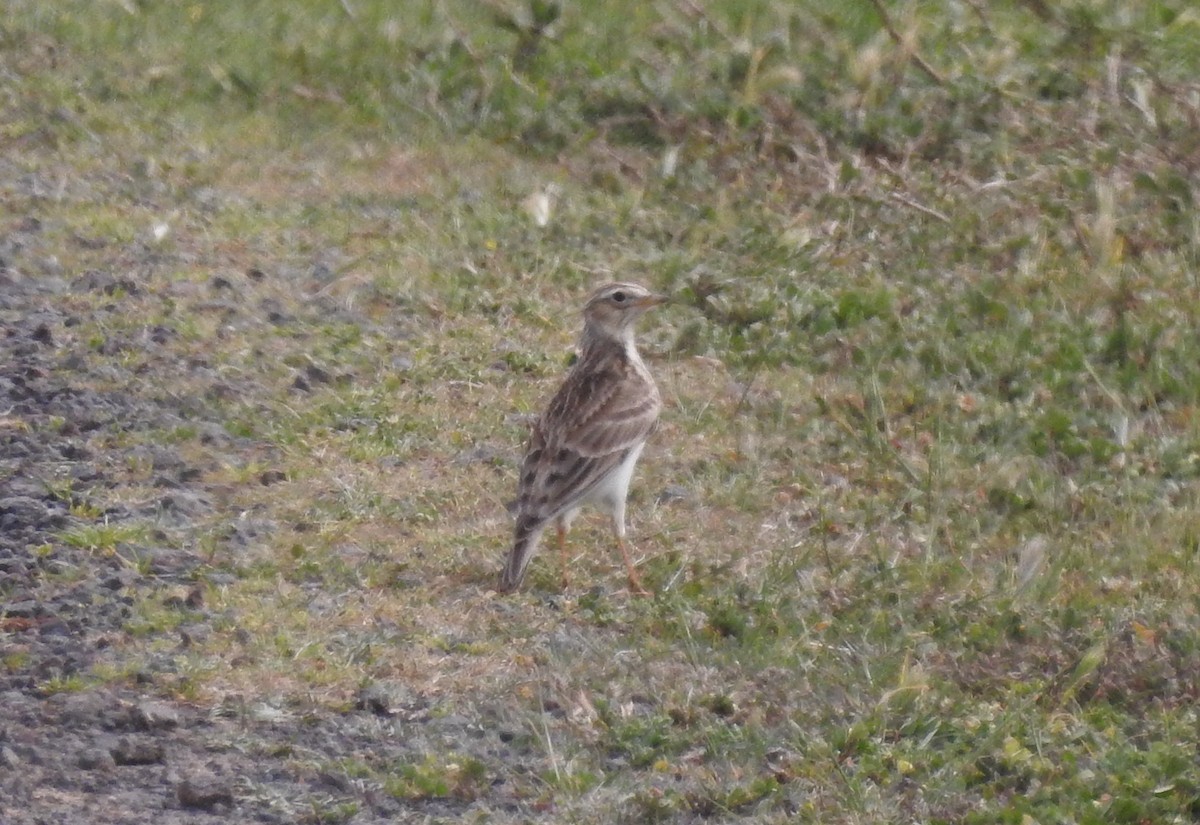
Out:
{"x": 931, "y": 378}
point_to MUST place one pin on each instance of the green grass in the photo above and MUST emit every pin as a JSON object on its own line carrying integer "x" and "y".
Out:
{"x": 932, "y": 379}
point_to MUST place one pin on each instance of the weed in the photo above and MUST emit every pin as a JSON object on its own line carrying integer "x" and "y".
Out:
{"x": 452, "y": 777}
{"x": 105, "y": 537}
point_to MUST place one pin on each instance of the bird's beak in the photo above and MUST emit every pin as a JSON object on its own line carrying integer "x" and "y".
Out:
{"x": 651, "y": 301}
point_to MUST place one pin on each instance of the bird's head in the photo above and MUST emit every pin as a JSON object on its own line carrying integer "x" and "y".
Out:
{"x": 613, "y": 308}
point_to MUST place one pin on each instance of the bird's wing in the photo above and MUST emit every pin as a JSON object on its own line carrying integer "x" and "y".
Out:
{"x": 587, "y": 431}
{"x": 611, "y": 412}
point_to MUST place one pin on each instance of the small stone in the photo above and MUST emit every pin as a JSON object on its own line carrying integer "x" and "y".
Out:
{"x": 337, "y": 781}
{"x": 42, "y": 335}
{"x": 317, "y": 375}
{"x": 246, "y": 531}
{"x": 96, "y": 281}
{"x": 74, "y": 452}
{"x": 135, "y": 751}
{"x": 204, "y": 792}
{"x": 186, "y": 503}
{"x": 12, "y": 570}
{"x": 269, "y": 477}
{"x": 24, "y": 609}
{"x": 163, "y": 458}
{"x": 481, "y": 454}
{"x": 164, "y": 561}
{"x": 154, "y": 716}
{"x": 375, "y": 699}
{"x": 213, "y": 433}
{"x": 85, "y": 473}
{"x": 94, "y": 759}
{"x": 673, "y": 492}
{"x": 82, "y": 710}
{"x": 160, "y": 335}
{"x": 176, "y": 599}
{"x": 22, "y": 509}
{"x": 195, "y": 633}
{"x": 9, "y": 758}
{"x": 24, "y": 487}
{"x": 123, "y": 577}
{"x": 53, "y": 626}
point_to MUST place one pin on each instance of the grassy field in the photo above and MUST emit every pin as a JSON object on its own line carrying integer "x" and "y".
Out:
{"x": 922, "y": 517}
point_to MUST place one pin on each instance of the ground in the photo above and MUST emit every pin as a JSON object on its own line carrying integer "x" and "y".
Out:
{"x": 279, "y": 297}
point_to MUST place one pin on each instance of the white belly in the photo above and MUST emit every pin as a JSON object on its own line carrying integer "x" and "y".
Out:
{"x": 612, "y": 491}
{"x": 609, "y": 495}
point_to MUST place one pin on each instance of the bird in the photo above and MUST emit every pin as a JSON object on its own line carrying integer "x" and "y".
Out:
{"x": 583, "y": 447}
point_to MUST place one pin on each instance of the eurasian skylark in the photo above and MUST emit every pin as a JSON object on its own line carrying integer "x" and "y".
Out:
{"x": 585, "y": 445}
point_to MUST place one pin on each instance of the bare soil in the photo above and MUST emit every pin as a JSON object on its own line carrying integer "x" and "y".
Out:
{"x": 74, "y": 749}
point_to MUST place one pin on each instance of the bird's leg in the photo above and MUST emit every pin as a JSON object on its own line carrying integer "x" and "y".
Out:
{"x": 635, "y": 581}
{"x": 562, "y": 555}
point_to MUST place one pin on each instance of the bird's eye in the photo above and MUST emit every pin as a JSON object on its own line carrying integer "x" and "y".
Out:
{"x": 619, "y": 297}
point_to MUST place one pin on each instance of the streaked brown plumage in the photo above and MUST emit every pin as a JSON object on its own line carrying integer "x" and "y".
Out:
{"x": 584, "y": 447}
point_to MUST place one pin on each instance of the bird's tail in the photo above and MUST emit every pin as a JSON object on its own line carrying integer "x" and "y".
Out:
{"x": 525, "y": 542}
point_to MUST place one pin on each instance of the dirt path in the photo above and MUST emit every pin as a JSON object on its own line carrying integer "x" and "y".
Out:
{"x": 71, "y": 752}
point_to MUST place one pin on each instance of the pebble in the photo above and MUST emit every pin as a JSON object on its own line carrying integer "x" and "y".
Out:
{"x": 376, "y": 699}
{"x": 9, "y": 758}
{"x": 23, "y": 609}
{"x": 154, "y": 716}
{"x": 131, "y": 750}
{"x": 673, "y": 492}
{"x": 204, "y": 792}
{"x": 94, "y": 759}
